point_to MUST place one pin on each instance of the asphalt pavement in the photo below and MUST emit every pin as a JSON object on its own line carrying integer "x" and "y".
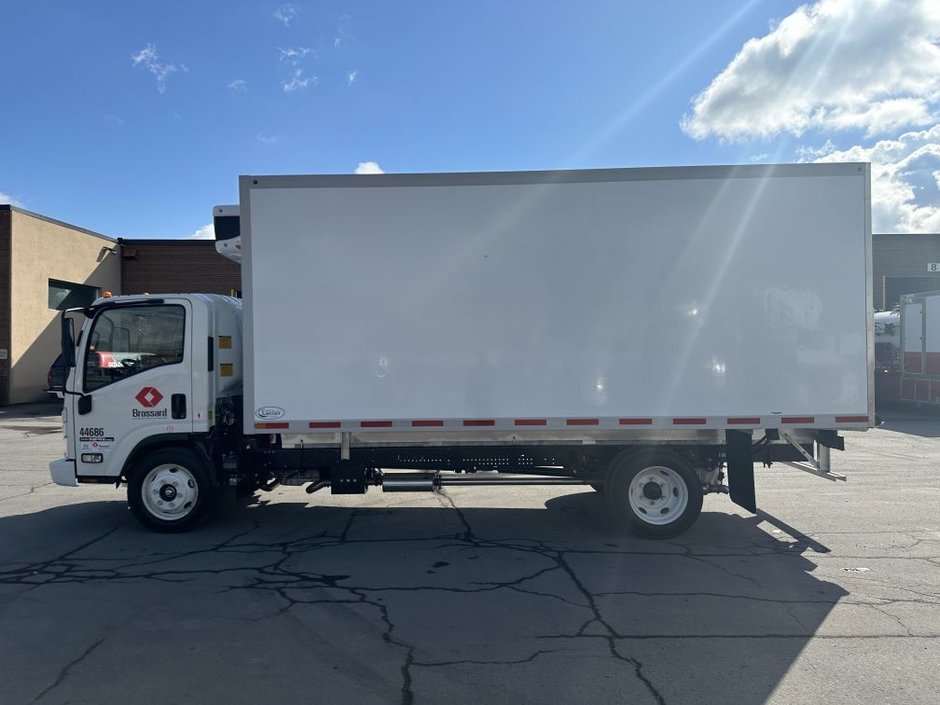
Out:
{"x": 481, "y": 595}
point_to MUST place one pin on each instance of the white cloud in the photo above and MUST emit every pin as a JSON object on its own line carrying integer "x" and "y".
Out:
{"x": 810, "y": 154}
{"x": 7, "y": 198}
{"x": 866, "y": 65}
{"x": 351, "y": 76}
{"x": 369, "y": 168}
{"x": 859, "y": 67}
{"x": 293, "y": 54}
{"x": 286, "y": 14}
{"x": 206, "y": 232}
{"x": 238, "y": 86}
{"x": 149, "y": 60}
{"x": 905, "y": 176}
{"x": 298, "y": 81}
{"x": 264, "y": 138}
{"x": 341, "y": 34}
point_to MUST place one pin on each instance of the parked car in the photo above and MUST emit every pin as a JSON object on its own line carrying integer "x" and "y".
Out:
{"x": 55, "y": 380}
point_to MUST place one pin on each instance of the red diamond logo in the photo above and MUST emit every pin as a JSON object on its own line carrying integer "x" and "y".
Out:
{"x": 149, "y": 397}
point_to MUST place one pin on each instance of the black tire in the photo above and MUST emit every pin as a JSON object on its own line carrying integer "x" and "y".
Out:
{"x": 599, "y": 487}
{"x": 169, "y": 490}
{"x": 667, "y": 493}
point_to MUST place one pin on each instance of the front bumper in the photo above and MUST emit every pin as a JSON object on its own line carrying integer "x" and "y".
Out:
{"x": 63, "y": 472}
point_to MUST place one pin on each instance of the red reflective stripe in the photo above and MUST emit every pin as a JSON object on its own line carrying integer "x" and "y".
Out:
{"x": 324, "y": 424}
{"x": 689, "y": 422}
{"x": 427, "y": 422}
{"x": 636, "y": 422}
{"x": 531, "y": 422}
{"x": 798, "y": 419}
{"x": 479, "y": 422}
{"x": 375, "y": 424}
{"x": 272, "y": 424}
{"x": 744, "y": 421}
{"x": 583, "y": 422}
{"x": 851, "y": 419}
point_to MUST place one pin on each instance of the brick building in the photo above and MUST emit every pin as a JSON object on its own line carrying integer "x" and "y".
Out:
{"x": 176, "y": 266}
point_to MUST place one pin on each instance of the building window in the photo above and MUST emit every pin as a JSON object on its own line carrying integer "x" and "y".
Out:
{"x": 63, "y": 295}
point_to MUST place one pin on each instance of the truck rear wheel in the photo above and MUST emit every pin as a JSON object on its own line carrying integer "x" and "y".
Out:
{"x": 169, "y": 490}
{"x": 656, "y": 494}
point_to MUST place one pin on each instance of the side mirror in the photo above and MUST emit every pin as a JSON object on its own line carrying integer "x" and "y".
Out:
{"x": 68, "y": 341}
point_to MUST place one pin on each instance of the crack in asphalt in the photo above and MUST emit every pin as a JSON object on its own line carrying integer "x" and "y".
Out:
{"x": 448, "y": 502}
{"x": 726, "y": 571}
{"x": 494, "y": 662}
{"x": 407, "y": 694}
{"x": 893, "y": 618}
{"x": 50, "y": 565}
{"x": 598, "y": 618}
{"x": 349, "y": 522}
{"x": 32, "y": 490}
{"x": 63, "y": 674}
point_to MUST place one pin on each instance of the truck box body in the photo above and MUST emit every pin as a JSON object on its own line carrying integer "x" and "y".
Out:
{"x": 706, "y": 297}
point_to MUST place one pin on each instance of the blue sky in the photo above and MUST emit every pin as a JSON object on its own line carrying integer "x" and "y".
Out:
{"x": 134, "y": 119}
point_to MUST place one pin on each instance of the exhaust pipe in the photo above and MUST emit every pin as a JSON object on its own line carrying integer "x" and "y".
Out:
{"x": 314, "y": 486}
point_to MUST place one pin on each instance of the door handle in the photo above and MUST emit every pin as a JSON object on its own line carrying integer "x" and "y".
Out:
{"x": 178, "y": 406}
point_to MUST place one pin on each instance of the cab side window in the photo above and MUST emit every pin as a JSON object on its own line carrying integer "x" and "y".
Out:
{"x": 127, "y": 341}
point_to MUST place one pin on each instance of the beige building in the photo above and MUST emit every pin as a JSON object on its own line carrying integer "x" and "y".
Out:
{"x": 45, "y": 266}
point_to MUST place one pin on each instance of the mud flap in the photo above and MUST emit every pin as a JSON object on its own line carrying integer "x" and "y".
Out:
{"x": 740, "y": 469}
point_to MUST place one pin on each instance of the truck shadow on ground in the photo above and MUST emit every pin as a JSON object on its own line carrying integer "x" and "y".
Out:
{"x": 433, "y": 603}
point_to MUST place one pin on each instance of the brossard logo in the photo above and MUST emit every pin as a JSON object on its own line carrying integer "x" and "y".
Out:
{"x": 148, "y": 397}
{"x": 270, "y": 412}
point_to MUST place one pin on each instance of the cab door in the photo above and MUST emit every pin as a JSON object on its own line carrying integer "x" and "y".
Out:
{"x": 134, "y": 375}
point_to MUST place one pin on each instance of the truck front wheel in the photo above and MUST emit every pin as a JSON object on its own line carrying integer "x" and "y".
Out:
{"x": 655, "y": 494}
{"x": 169, "y": 490}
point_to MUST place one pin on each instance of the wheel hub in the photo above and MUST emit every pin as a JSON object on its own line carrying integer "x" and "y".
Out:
{"x": 168, "y": 493}
{"x": 652, "y": 491}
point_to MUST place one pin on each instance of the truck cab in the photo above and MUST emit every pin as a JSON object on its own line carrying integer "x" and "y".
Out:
{"x": 145, "y": 374}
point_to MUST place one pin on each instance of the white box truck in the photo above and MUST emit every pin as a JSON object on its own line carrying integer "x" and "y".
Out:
{"x": 640, "y": 331}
